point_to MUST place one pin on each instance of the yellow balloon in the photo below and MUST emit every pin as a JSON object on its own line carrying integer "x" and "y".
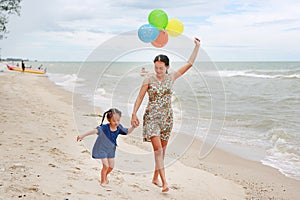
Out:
{"x": 174, "y": 27}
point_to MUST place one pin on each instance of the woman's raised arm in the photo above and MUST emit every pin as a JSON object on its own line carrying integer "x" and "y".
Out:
{"x": 190, "y": 62}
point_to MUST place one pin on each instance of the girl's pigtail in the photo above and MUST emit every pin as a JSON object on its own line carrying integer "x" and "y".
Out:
{"x": 103, "y": 117}
{"x": 110, "y": 113}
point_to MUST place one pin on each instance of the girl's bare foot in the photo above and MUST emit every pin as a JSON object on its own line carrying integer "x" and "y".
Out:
{"x": 103, "y": 184}
{"x": 157, "y": 183}
{"x": 165, "y": 188}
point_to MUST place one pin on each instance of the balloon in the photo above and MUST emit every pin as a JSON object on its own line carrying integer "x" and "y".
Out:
{"x": 158, "y": 18}
{"x": 148, "y": 33}
{"x": 175, "y": 27}
{"x": 161, "y": 40}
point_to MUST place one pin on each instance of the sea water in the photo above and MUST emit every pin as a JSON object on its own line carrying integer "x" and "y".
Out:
{"x": 260, "y": 115}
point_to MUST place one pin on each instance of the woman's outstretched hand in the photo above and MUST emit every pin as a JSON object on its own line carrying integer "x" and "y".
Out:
{"x": 134, "y": 121}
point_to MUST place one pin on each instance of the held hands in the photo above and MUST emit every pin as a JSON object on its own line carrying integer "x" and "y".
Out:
{"x": 134, "y": 121}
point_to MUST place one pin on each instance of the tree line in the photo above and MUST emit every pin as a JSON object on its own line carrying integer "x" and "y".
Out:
{"x": 7, "y": 8}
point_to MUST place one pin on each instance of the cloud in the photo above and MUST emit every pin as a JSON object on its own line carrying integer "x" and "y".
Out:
{"x": 276, "y": 22}
{"x": 293, "y": 29}
{"x": 71, "y": 27}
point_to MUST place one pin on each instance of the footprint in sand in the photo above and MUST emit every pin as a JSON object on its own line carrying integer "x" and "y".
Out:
{"x": 60, "y": 155}
{"x": 120, "y": 179}
{"x": 72, "y": 174}
{"x": 136, "y": 186}
{"x": 175, "y": 187}
{"x": 32, "y": 189}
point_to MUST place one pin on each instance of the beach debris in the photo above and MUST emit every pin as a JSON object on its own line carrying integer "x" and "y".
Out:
{"x": 17, "y": 166}
{"x": 85, "y": 151}
{"x": 51, "y": 165}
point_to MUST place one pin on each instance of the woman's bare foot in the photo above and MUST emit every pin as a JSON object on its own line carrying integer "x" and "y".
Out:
{"x": 165, "y": 188}
{"x": 157, "y": 183}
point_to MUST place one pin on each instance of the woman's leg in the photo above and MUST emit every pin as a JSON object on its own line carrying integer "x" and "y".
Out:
{"x": 164, "y": 144}
{"x": 155, "y": 180}
{"x": 159, "y": 161}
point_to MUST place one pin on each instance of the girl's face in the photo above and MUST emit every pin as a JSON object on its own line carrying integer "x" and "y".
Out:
{"x": 115, "y": 120}
{"x": 160, "y": 68}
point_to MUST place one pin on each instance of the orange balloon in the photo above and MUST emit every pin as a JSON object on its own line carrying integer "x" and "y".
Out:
{"x": 161, "y": 40}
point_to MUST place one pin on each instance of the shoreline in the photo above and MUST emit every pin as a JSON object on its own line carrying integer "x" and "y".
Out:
{"x": 263, "y": 150}
{"x": 46, "y": 135}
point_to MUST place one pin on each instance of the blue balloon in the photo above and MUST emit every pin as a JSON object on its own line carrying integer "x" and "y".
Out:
{"x": 148, "y": 33}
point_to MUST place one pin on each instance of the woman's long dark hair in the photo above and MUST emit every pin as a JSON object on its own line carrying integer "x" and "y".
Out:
{"x": 110, "y": 113}
{"x": 162, "y": 58}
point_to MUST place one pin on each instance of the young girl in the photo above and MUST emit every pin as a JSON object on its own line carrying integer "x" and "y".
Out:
{"x": 105, "y": 145}
{"x": 158, "y": 117}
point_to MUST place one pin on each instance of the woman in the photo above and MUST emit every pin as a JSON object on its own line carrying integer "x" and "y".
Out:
{"x": 158, "y": 116}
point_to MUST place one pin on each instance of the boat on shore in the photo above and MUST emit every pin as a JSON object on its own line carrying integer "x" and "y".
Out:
{"x": 144, "y": 72}
{"x": 29, "y": 70}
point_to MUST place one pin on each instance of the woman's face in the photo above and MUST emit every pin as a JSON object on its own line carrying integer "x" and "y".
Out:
{"x": 160, "y": 68}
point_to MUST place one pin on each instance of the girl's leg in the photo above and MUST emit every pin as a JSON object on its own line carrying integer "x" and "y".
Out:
{"x": 104, "y": 170}
{"x": 155, "y": 180}
{"x": 159, "y": 161}
{"x": 111, "y": 164}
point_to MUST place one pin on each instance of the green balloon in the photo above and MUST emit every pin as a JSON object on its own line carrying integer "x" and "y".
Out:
{"x": 158, "y": 18}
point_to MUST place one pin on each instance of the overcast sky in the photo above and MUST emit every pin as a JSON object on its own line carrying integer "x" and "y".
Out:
{"x": 230, "y": 30}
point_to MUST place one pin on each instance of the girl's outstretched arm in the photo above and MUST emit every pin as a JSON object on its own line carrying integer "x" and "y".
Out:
{"x": 94, "y": 131}
{"x": 190, "y": 62}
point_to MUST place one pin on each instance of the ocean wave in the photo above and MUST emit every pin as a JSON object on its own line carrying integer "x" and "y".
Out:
{"x": 256, "y": 74}
{"x": 281, "y": 146}
{"x": 283, "y": 154}
{"x": 275, "y": 135}
{"x": 111, "y": 75}
{"x": 264, "y": 124}
{"x": 288, "y": 100}
{"x": 287, "y": 163}
{"x": 100, "y": 91}
{"x": 67, "y": 81}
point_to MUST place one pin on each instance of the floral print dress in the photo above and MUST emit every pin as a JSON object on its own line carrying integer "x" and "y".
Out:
{"x": 158, "y": 117}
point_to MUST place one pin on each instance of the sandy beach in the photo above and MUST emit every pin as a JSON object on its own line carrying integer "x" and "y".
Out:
{"x": 42, "y": 160}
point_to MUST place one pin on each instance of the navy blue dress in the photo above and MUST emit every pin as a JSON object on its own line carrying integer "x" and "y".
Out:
{"x": 106, "y": 143}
